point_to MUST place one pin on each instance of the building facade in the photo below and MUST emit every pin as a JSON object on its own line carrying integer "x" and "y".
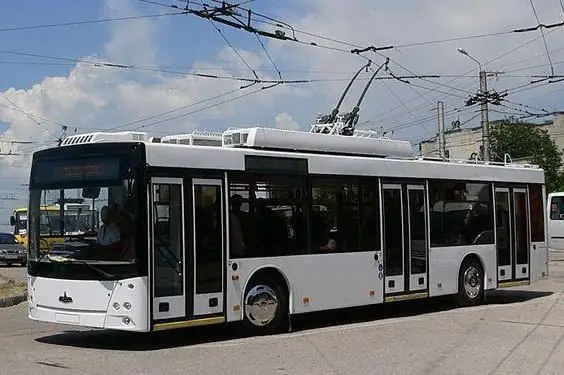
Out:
{"x": 465, "y": 143}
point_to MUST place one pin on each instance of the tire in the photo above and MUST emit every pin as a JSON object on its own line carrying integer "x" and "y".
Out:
{"x": 265, "y": 307}
{"x": 470, "y": 283}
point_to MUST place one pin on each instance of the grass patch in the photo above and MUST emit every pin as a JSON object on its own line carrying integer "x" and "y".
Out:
{"x": 11, "y": 288}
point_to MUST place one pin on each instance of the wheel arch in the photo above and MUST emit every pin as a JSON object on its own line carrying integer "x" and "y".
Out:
{"x": 270, "y": 271}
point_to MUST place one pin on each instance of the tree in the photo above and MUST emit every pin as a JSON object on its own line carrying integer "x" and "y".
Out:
{"x": 525, "y": 140}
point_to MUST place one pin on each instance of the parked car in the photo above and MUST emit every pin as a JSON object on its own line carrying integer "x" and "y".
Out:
{"x": 11, "y": 251}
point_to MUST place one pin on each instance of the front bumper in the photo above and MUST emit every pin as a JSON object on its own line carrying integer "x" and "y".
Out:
{"x": 120, "y": 305}
{"x": 13, "y": 258}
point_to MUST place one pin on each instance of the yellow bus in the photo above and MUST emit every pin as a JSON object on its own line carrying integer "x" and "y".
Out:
{"x": 78, "y": 218}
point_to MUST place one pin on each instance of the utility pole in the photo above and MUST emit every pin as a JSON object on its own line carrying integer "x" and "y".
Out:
{"x": 483, "y": 98}
{"x": 484, "y": 110}
{"x": 441, "y": 126}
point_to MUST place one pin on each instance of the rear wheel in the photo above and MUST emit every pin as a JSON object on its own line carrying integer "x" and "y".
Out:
{"x": 266, "y": 307}
{"x": 470, "y": 283}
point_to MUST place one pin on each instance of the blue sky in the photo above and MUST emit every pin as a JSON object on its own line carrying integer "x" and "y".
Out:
{"x": 91, "y": 98}
{"x": 65, "y": 41}
{"x": 179, "y": 37}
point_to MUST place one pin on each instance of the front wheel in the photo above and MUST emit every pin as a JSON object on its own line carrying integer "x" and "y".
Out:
{"x": 266, "y": 307}
{"x": 470, "y": 283}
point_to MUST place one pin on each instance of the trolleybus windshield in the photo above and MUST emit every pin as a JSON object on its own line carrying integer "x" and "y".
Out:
{"x": 102, "y": 235}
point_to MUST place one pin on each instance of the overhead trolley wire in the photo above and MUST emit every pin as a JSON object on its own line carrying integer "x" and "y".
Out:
{"x": 87, "y": 22}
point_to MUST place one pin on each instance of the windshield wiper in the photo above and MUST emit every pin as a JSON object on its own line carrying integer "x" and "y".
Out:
{"x": 42, "y": 256}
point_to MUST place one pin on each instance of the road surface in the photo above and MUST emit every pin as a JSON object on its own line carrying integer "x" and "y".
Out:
{"x": 519, "y": 331}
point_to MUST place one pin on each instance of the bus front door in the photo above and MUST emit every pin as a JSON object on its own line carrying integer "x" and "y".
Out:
{"x": 168, "y": 239}
{"x": 209, "y": 242}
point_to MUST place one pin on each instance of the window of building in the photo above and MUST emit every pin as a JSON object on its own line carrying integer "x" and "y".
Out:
{"x": 461, "y": 213}
{"x": 267, "y": 215}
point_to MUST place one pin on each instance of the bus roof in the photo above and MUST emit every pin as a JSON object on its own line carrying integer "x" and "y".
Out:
{"x": 361, "y": 154}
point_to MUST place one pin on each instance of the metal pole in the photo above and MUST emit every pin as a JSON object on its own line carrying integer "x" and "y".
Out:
{"x": 485, "y": 120}
{"x": 441, "y": 129}
{"x": 439, "y": 138}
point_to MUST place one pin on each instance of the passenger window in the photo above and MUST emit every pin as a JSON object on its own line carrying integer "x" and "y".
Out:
{"x": 461, "y": 213}
{"x": 345, "y": 216}
{"x": 370, "y": 217}
{"x": 324, "y": 225}
{"x": 557, "y": 208}
{"x": 267, "y": 215}
{"x": 349, "y": 217}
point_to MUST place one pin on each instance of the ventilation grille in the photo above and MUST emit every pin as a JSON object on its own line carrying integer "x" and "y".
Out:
{"x": 77, "y": 139}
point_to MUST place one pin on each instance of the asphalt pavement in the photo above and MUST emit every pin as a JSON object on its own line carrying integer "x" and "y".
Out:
{"x": 519, "y": 331}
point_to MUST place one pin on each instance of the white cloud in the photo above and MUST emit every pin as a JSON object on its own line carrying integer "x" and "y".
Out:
{"x": 130, "y": 42}
{"x": 285, "y": 121}
{"x": 96, "y": 98}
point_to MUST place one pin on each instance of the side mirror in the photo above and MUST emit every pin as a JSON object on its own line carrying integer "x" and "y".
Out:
{"x": 12, "y": 221}
{"x": 129, "y": 182}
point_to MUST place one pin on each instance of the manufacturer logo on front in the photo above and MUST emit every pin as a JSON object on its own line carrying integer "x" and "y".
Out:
{"x": 64, "y": 298}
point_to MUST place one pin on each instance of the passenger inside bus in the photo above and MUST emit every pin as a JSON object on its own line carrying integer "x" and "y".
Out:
{"x": 475, "y": 223}
{"x": 267, "y": 227}
{"x": 236, "y": 217}
{"x": 126, "y": 235}
{"x": 331, "y": 244}
{"x": 109, "y": 230}
{"x": 273, "y": 232}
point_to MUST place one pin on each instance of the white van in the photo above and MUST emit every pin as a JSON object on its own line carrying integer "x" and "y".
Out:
{"x": 555, "y": 220}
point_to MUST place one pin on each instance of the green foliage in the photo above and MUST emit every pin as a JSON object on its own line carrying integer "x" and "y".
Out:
{"x": 525, "y": 140}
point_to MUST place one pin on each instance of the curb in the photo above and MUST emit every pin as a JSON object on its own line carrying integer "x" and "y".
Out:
{"x": 13, "y": 300}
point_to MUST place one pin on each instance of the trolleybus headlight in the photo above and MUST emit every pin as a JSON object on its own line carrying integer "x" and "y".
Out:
{"x": 127, "y": 305}
{"x": 126, "y": 320}
{"x": 116, "y": 305}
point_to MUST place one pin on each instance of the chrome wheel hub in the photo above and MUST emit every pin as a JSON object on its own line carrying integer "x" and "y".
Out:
{"x": 472, "y": 282}
{"x": 261, "y": 305}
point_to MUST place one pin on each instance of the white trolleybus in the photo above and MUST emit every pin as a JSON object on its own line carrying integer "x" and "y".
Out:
{"x": 258, "y": 224}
